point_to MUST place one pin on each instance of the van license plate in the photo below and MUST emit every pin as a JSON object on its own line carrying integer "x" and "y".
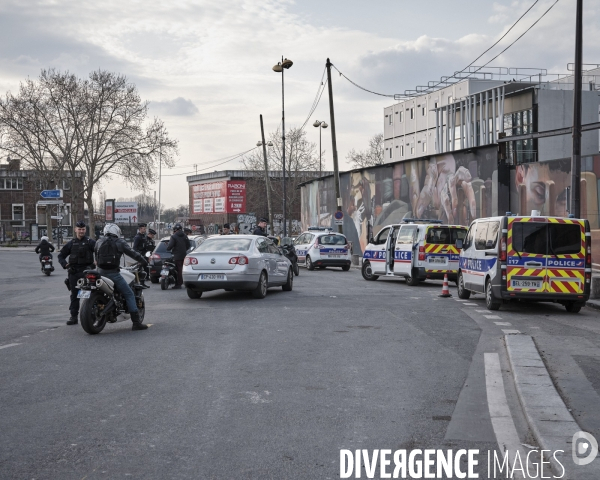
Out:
{"x": 526, "y": 284}
{"x": 83, "y": 294}
{"x": 212, "y": 276}
{"x": 437, "y": 260}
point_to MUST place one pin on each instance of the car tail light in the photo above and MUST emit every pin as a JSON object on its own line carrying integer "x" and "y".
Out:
{"x": 503, "y": 249}
{"x": 588, "y": 277}
{"x": 155, "y": 256}
{"x": 588, "y": 250}
{"x": 421, "y": 253}
{"x": 241, "y": 260}
{"x": 190, "y": 261}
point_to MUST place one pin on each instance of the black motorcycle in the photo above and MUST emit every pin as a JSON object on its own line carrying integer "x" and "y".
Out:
{"x": 288, "y": 249}
{"x": 47, "y": 267}
{"x": 168, "y": 274}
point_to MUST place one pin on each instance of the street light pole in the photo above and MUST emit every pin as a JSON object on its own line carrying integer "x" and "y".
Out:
{"x": 159, "y": 185}
{"x": 577, "y": 79}
{"x": 320, "y": 125}
{"x": 284, "y": 64}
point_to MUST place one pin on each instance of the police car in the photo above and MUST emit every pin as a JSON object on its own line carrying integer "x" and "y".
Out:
{"x": 416, "y": 250}
{"x": 527, "y": 257}
{"x": 321, "y": 247}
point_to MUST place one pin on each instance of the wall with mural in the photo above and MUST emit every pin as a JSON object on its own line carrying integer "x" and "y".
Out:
{"x": 454, "y": 187}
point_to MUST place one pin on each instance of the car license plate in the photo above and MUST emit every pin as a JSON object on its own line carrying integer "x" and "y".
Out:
{"x": 437, "y": 260}
{"x": 48, "y": 266}
{"x": 213, "y": 276}
{"x": 526, "y": 284}
{"x": 83, "y": 294}
{"x": 164, "y": 272}
{"x": 333, "y": 255}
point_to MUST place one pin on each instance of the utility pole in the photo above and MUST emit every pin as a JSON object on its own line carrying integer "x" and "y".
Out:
{"x": 267, "y": 179}
{"x": 577, "y": 79}
{"x": 159, "y": 185}
{"x": 336, "y": 169}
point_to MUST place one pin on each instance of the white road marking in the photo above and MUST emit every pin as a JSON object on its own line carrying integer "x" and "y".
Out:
{"x": 459, "y": 300}
{"x": 470, "y": 304}
{"x": 482, "y": 311}
{"x": 9, "y": 345}
{"x": 493, "y": 317}
{"x": 502, "y": 420}
{"x": 505, "y": 324}
{"x": 511, "y": 332}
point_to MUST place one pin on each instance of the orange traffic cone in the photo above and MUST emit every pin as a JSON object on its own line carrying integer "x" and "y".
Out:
{"x": 445, "y": 291}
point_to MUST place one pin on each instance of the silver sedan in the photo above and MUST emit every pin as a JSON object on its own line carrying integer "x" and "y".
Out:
{"x": 236, "y": 262}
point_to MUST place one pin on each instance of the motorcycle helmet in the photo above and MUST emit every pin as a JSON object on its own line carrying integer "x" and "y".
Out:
{"x": 44, "y": 238}
{"x": 112, "y": 229}
{"x": 177, "y": 226}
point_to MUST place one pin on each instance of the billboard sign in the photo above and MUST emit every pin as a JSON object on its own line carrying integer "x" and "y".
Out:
{"x": 109, "y": 210}
{"x": 126, "y": 212}
{"x": 219, "y": 197}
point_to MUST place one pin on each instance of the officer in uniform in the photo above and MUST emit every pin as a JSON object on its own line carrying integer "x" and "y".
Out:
{"x": 261, "y": 228}
{"x": 140, "y": 239}
{"x": 77, "y": 255}
{"x": 150, "y": 245}
{"x": 227, "y": 229}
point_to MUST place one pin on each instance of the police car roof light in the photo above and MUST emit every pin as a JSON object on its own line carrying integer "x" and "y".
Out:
{"x": 509, "y": 214}
{"x": 420, "y": 220}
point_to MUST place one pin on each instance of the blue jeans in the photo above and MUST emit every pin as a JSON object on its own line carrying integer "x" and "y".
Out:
{"x": 124, "y": 289}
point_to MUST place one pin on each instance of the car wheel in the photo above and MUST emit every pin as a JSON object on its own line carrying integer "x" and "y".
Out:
{"x": 462, "y": 292}
{"x": 345, "y": 268}
{"x": 491, "y": 302}
{"x": 573, "y": 307}
{"x": 412, "y": 280}
{"x": 290, "y": 282}
{"x": 193, "y": 294}
{"x": 261, "y": 289}
{"x": 367, "y": 272}
{"x": 309, "y": 265}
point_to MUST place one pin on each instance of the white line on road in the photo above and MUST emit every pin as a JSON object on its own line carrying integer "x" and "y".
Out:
{"x": 502, "y": 420}
{"x": 9, "y": 345}
{"x": 493, "y": 317}
{"x": 504, "y": 324}
{"x": 470, "y": 304}
{"x": 482, "y": 311}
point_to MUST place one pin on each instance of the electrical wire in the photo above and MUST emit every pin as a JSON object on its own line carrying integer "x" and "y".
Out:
{"x": 235, "y": 157}
{"x": 362, "y": 88}
{"x": 315, "y": 102}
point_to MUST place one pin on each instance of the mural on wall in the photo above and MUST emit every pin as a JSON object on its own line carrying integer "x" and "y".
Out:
{"x": 454, "y": 188}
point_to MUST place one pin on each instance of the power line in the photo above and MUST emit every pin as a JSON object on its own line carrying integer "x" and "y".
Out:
{"x": 316, "y": 101}
{"x": 362, "y": 88}
{"x": 235, "y": 157}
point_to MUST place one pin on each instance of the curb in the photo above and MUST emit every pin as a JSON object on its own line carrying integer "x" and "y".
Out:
{"x": 593, "y": 304}
{"x": 548, "y": 417}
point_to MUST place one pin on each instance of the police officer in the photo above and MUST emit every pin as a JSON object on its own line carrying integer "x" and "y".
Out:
{"x": 150, "y": 245}
{"x": 261, "y": 229}
{"x": 77, "y": 255}
{"x": 227, "y": 229}
{"x": 139, "y": 241}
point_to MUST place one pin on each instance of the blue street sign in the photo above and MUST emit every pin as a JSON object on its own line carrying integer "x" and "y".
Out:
{"x": 51, "y": 194}
{"x": 338, "y": 215}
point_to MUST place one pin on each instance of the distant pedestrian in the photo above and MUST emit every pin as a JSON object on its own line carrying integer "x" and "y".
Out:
{"x": 226, "y": 229}
{"x": 179, "y": 245}
{"x": 261, "y": 229}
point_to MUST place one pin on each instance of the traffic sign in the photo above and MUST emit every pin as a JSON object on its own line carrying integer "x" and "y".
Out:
{"x": 51, "y": 194}
{"x": 339, "y": 217}
{"x": 50, "y": 202}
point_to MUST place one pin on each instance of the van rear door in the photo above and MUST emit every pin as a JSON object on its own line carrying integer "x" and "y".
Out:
{"x": 566, "y": 256}
{"x": 404, "y": 250}
{"x": 441, "y": 254}
{"x": 526, "y": 255}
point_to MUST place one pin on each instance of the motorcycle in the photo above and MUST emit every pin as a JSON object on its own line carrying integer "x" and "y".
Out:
{"x": 168, "y": 274}
{"x": 102, "y": 303}
{"x": 288, "y": 249}
{"x": 47, "y": 266}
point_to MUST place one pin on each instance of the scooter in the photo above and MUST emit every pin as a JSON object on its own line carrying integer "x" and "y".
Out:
{"x": 47, "y": 266}
{"x": 168, "y": 274}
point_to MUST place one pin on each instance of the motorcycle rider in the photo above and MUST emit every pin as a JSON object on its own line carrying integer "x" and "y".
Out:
{"x": 261, "y": 228}
{"x": 44, "y": 248}
{"x": 179, "y": 244}
{"x": 109, "y": 250}
{"x": 77, "y": 255}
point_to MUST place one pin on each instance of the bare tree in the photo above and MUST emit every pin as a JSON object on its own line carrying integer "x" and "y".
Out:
{"x": 97, "y": 125}
{"x": 301, "y": 157}
{"x": 370, "y": 157}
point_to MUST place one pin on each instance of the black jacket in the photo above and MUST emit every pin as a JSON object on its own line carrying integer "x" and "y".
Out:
{"x": 139, "y": 243}
{"x": 259, "y": 231}
{"x": 124, "y": 249}
{"x": 79, "y": 254}
{"x": 179, "y": 245}
{"x": 44, "y": 248}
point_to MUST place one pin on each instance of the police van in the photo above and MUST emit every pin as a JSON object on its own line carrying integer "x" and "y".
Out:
{"x": 322, "y": 247}
{"x": 527, "y": 257}
{"x": 416, "y": 250}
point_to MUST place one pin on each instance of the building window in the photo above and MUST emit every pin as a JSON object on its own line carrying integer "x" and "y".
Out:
{"x": 424, "y": 147}
{"x": 412, "y": 150}
{"x": 423, "y": 111}
{"x": 389, "y": 119}
{"x": 412, "y": 113}
{"x": 391, "y": 153}
{"x": 400, "y": 116}
{"x": 11, "y": 184}
{"x": 401, "y": 150}
{"x": 449, "y": 100}
{"x": 66, "y": 184}
{"x": 435, "y": 104}
{"x": 518, "y": 123}
{"x": 18, "y": 214}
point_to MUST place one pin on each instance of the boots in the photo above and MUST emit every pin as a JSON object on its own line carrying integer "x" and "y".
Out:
{"x": 137, "y": 324}
{"x": 73, "y": 320}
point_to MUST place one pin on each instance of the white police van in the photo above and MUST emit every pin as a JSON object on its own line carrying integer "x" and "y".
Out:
{"x": 416, "y": 250}
{"x": 321, "y": 247}
{"x": 533, "y": 258}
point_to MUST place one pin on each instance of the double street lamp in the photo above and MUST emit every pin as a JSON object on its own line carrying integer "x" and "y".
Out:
{"x": 320, "y": 125}
{"x": 285, "y": 64}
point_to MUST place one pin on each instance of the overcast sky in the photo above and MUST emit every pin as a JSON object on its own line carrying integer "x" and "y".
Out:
{"x": 205, "y": 66}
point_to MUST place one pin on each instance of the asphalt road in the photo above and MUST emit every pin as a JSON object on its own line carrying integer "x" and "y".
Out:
{"x": 232, "y": 387}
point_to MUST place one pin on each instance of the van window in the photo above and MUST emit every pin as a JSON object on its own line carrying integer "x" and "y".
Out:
{"x": 529, "y": 237}
{"x": 457, "y": 234}
{"x": 565, "y": 239}
{"x": 382, "y": 236}
{"x": 469, "y": 238}
{"x": 332, "y": 240}
{"x": 546, "y": 239}
{"x": 481, "y": 236}
{"x": 438, "y": 235}
{"x": 407, "y": 235}
{"x": 492, "y": 235}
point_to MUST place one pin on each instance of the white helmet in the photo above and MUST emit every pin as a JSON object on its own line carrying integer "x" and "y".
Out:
{"x": 112, "y": 229}
{"x": 44, "y": 238}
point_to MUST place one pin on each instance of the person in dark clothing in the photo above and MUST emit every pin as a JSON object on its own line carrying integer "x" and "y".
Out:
{"x": 227, "y": 229}
{"x": 179, "y": 244}
{"x": 150, "y": 245}
{"x": 44, "y": 248}
{"x": 187, "y": 231}
{"x": 76, "y": 255}
{"x": 109, "y": 250}
{"x": 262, "y": 228}
{"x": 140, "y": 239}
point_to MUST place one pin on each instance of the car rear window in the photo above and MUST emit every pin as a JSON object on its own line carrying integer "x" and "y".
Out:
{"x": 445, "y": 235}
{"x": 225, "y": 245}
{"x": 161, "y": 247}
{"x": 546, "y": 239}
{"x": 332, "y": 240}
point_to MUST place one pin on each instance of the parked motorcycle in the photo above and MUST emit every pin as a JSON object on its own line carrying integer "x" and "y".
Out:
{"x": 288, "y": 249}
{"x": 47, "y": 266}
{"x": 168, "y": 274}
{"x": 102, "y": 303}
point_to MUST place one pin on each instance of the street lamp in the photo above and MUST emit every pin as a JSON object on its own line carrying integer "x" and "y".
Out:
{"x": 320, "y": 125}
{"x": 285, "y": 63}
